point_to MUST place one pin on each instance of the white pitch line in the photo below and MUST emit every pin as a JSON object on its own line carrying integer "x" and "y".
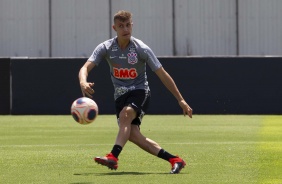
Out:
{"x": 183, "y": 143}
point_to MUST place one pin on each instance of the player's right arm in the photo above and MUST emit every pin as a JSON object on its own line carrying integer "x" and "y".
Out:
{"x": 86, "y": 87}
{"x": 96, "y": 57}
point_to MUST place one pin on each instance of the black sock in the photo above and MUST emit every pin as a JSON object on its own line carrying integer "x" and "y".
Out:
{"x": 165, "y": 155}
{"x": 116, "y": 150}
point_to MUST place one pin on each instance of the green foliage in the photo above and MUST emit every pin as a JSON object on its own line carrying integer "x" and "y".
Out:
{"x": 217, "y": 149}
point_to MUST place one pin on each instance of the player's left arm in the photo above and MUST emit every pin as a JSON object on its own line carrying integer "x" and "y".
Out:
{"x": 171, "y": 86}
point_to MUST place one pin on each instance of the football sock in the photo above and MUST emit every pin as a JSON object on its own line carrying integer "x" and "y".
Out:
{"x": 165, "y": 155}
{"x": 116, "y": 150}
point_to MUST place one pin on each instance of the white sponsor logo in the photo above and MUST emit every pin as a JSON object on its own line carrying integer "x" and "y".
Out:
{"x": 115, "y": 48}
{"x": 132, "y": 49}
{"x": 122, "y": 57}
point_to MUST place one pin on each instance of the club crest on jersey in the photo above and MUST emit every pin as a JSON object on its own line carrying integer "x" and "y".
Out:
{"x": 132, "y": 58}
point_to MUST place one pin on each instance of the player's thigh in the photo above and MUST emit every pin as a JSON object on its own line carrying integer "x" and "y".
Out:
{"x": 127, "y": 114}
{"x": 137, "y": 99}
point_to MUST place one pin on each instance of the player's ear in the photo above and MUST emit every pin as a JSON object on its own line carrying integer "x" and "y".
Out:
{"x": 114, "y": 27}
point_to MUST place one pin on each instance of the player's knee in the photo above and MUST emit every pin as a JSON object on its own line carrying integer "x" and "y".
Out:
{"x": 127, "y": 115}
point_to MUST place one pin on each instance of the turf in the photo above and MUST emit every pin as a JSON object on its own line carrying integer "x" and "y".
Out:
{"x": 217, "y": 149}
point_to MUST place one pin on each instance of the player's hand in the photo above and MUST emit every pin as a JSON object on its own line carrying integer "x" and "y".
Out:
{"x": 86, "y": 89}
{"x": 187, "y": 110}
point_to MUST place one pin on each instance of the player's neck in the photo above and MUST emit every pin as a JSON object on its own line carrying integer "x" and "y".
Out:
{"x": 123, "y": 43}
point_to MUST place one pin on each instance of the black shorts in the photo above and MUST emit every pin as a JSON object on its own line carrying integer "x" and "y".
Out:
{"x": 138, "y": 100}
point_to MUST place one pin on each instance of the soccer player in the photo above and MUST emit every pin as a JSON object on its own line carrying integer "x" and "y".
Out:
{"x": 127, "y": 58}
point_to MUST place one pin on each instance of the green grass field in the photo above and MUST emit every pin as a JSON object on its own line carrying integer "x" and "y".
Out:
{"x": 217, "y": 149}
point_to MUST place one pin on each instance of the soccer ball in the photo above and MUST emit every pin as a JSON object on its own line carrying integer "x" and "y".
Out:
{"x": 84, "y": 110}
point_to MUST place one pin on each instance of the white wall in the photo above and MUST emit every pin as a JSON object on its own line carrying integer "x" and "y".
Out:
{"x": 78, "y": 26}
{"x": 205, "y": 27}
{"x": 24, "y": 28}
{"x": 260, "y": 25}
{"x": 202, "y": 27}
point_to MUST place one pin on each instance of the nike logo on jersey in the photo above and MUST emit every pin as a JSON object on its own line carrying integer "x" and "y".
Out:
{"x": 112, "y": 57}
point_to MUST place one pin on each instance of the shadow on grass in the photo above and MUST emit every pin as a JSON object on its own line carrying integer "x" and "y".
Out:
{"x": 116, "y": 173}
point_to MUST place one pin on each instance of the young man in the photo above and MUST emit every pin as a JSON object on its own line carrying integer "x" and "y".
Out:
{"x": 127, "y": 58}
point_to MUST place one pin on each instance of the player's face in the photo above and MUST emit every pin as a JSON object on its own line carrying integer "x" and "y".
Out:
{"x": 123, "y": 28}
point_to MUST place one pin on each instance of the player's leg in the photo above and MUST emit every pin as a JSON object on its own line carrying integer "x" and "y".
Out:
{"x": 154, "y": 148}
{"x": 143, "y": 142}
{"x": 126, "y": 111}
{"x": 125, "y": 118}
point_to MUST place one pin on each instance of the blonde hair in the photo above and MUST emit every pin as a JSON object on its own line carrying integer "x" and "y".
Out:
{"x": 122, "y": 15}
